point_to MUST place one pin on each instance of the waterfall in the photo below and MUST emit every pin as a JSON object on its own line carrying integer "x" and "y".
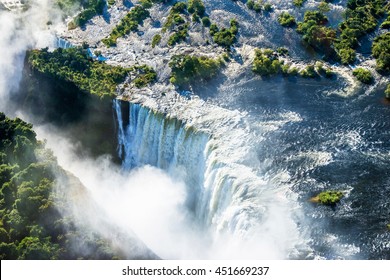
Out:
{"x": 149, "y": 138}
{"x": 62, "y": 43}
{"x": 224, "y": 195}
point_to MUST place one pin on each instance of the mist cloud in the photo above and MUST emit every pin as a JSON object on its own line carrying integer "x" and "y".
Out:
{"x": 20, "y": 31}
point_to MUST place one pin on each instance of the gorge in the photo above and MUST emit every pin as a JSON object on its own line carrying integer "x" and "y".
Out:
{"x": 223, "y": 167}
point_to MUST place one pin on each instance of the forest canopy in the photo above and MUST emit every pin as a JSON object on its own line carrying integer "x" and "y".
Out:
{"x": 95, "y": 77}
{"x": 31, "y": 225}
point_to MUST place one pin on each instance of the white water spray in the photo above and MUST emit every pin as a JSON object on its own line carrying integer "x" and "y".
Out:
{"x": 228, "y": 201}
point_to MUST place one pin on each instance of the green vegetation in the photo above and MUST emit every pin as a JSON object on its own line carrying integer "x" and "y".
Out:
{"x": 147, "y": 4}
{"x": 225, "y": 37}
{"x": 321, "y": 70}
{"x": 196, "y": 8}
{"x": 388, "y": 226}
{"x": 381, "y": 51}
{"x": 190, "y": 69}
{"x": 174, "y": 17}
{"x": 267, "y": 7}
{"x": 386, "y": 23}
{"x": 299, "y": 3}
{"x": 74, "y": 65}
{"x": 91, "y": 76}
{"x": 258, "y": 6}
{"x": 129, "y": 23}
{"x": 255, "y": 5}
{"x": 282, "y": 51}
{"x": 206, "y": 21}
{"x": 292, "y": 71}
{"x": 91, "y": 9}
{"x": 316, "y": 34}
{"x": 387, "y": 91}
{"x": 177, "y": 22}
{"x": 156, "y": 40}
{"x": 26, "y": 194}
{"x": 309, "y": 72}
{"x": 363, "y": 75}
{"x": 110, "y": 2}
{"x": 32, "y": 226}
{"x": 179, "y": 35}
{"x": 266, "y": 62}
{"x": 323, "y": 7}
{"x": 286, "y": 20}
{"x": 329, "y": 197}
{"x": 361, "y": 17}
{"x": 144, "y": 75}
{"x": 316, "y": 70}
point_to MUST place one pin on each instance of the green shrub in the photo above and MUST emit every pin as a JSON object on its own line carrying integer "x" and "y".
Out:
{"x": 320, "y": 37}
{"x": 386, "y": 24}
{"x": 329, "y": 73}
{"x": 387, "y": 91}
{"x": 330, "y": 197}
{"x": 361, "y": 17}
{"x": 129, "y": 23}
{"x": 91, "y": 9}
{"x": 190, "y": 69}
{"x": 225, "y": 37}
{"x": 282, "y": 51}
{"x": 309, "y": 72}
{"x": 196, "y": 7}
{"x": 286, "y": 20}
{"x": 381, "y": 51}
{"x": 147, "y": 4}
{"x": 267, "y": 7}
{"x": 250, "y": 4}
{"x": 174, "y": 19}
{"x": 178, "y": 23}
{"x": 323, "y": 7}
{"x": 293, "y": 71}
{"x": 178, "y": 36}
{"x": 206, "y": 21}
{"x": 144, "y": 75}
{"x": 74, "y": 65}
{"x": 346, "y": 55}
{"x": 363, "y": 75}
{"x": 285, "y": 69}
{"x": 256, "y": 5}
{"x": 266, "y": 62}
{"x": 299, "y": 3}
{"x": 156, "y": 40}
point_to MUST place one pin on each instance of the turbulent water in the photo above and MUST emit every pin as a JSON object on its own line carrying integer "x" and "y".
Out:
{"x": 243, "y": 165}
{"x": 295, "y": 138}
{"x": 321, "y": 140}
{"x": 301, "y": 139}
{"x": 226, "y": 199}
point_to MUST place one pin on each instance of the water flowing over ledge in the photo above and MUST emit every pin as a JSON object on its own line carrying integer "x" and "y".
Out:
{"x": 208, "y": 147}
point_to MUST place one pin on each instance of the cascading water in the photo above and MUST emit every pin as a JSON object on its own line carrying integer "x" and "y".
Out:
{"x": 146, "y": 137}
{"x": 226, "y": 198}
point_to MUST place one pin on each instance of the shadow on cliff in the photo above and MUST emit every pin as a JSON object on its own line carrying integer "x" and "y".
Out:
{"x": 86, "y": 119}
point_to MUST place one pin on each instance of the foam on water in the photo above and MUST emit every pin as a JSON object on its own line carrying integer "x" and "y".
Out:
{"x": 210, "y": 149}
